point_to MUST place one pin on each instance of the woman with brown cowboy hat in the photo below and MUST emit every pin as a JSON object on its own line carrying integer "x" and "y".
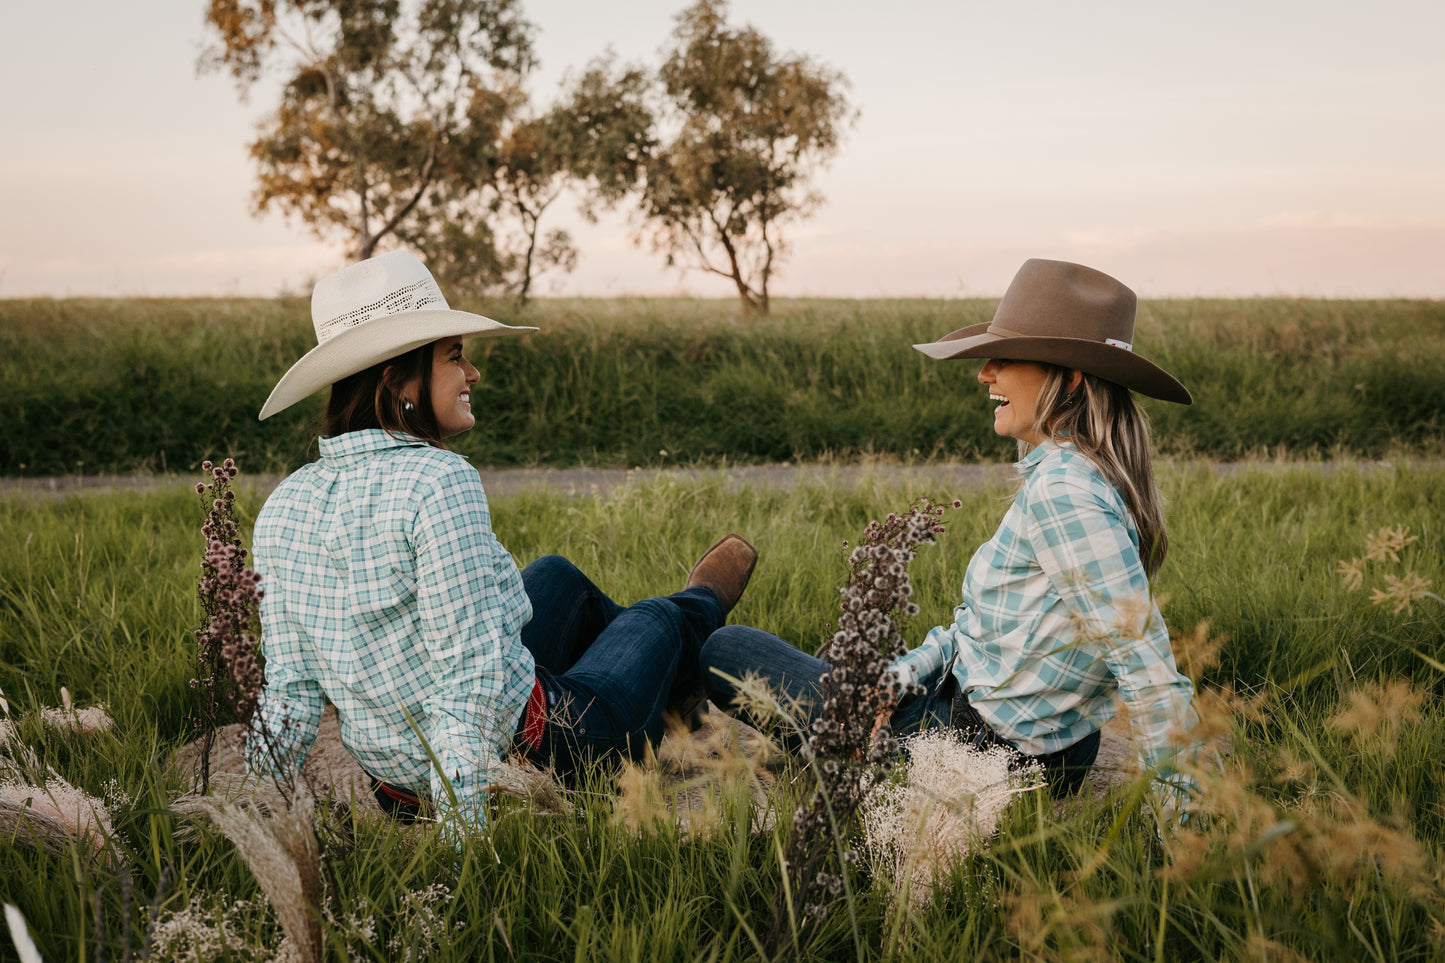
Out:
{"x": 387, "y": 593}
{"x": 1057, "y": 621}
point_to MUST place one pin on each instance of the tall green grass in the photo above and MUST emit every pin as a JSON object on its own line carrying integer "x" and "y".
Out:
{"x": 94, "y": 386}
{"x": 97, "y": 594}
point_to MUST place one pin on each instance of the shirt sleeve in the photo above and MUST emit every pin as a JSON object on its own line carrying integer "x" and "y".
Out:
{"x": 1084, "y": 546}
{"x": 923, "y": 664}
{"x": 471, "y": 607}
{"x": 288, "y": 711}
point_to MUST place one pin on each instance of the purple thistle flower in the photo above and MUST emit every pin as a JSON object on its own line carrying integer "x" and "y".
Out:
{"x": 229, "y": 672}
{"x": 856, "y": 689}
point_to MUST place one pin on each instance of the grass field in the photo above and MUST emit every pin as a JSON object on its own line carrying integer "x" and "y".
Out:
{"x": 119, "y": 386}
{"x": 1325, "y": 841}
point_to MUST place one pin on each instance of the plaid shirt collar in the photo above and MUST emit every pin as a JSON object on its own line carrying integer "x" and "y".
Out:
{"x": 354, "y": 444}
{"x": 1025, "y": 466}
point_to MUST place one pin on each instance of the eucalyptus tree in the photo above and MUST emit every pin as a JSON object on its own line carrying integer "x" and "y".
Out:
{"x": 745, "y": 129}
{"x": 375, "y": 95}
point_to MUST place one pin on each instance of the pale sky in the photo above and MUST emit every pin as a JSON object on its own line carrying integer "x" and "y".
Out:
{"x": 1267, "y": 147}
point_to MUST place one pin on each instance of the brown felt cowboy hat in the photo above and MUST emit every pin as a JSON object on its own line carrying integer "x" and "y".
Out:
{"x": 1064, "y": 314}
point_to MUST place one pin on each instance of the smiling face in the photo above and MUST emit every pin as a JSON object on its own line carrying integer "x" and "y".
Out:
{"x": 452, "y": 377}
{"x": 1014, "y": 386}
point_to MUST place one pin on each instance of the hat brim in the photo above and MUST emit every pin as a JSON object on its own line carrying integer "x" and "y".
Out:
{"x": 357, "y": 349}
{"x": 1105, "y": 361}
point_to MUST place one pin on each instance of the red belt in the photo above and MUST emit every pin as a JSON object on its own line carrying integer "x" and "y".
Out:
{"x": 534, "y": 719}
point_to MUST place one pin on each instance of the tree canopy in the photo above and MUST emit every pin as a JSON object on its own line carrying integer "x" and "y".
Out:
{"x": 405, "y": 121}
{"x": 749, "y": 127}
{"x": 378, "y": 95}
{"x": 408, "y": 122}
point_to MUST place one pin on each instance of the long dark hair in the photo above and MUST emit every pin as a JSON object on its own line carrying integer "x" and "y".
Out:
{"x": 372, "y": 399}
{"x": 1102, "y": 420}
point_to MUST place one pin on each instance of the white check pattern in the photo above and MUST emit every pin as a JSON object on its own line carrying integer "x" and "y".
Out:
{"x": 387, "y": 593}
{"x": 1057, "y": 621}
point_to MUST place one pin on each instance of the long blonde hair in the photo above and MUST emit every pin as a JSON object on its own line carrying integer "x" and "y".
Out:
{"x": 1102, "y": 420}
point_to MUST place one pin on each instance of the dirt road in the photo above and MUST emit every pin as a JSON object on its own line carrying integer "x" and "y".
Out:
{"x": 583, "y": 481}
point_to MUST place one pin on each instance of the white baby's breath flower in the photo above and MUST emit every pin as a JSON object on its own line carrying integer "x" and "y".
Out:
{"x": 950, "y": 799}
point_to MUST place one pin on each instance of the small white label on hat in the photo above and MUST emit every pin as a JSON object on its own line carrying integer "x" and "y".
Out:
{"x": 1119, "y": 344}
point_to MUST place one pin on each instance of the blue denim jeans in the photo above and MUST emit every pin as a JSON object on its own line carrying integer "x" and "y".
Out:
{"x": 734, "y": 651}
{"x": 608, "y": 671}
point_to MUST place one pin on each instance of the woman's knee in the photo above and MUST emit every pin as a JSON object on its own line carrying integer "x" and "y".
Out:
{"x": 551, "y": 566}
{"x": 555, "y": 577}
{"x": 730, "y": 650}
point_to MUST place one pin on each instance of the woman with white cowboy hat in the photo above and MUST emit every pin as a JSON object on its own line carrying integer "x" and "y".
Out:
{"x": 387, "y": 593}
{"x": 1057, "y": 621}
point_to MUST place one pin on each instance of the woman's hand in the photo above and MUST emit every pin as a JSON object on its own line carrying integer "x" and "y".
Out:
{"x": 880, "y": 722}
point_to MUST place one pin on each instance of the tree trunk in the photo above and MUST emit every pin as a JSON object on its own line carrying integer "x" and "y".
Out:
{"x": 751, "y": 307}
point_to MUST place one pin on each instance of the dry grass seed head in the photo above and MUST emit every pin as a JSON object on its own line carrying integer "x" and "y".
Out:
{"x": 1387, "y": 543}
{"x": 1351, "y": 573}
{"x": 87, "y": 722}
{"x": 1065, "y": 927}
{"x": 52, "y": 815}
{"x": 538, "y": 788}
{"x": 1401, "y": 593}
{"x": 1218, "y": 711}
{"x": 1259, "y": 948}
{"x": 1379, "y": 709}
{"x": 1347, "y": 845}
{"x": 1294, "y": 768}
{"x": 1228, "y": 816}
{"x": 690, "y": 779}
{"x": 279, "y": 845}
{"x": 640, "y": 803}
{"x": 1197, "y": 651}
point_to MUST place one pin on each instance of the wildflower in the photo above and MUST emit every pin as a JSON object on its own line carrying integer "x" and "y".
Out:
{"x": 193, "y": 932}
{"x": 421, "y": 924}
{"x": 951, "y": 798}
{"x": 229, "y": 672}
{"x": 857, "y": 688}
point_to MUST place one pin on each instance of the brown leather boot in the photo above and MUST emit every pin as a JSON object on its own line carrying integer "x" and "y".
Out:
{"x": 725, "y": 568}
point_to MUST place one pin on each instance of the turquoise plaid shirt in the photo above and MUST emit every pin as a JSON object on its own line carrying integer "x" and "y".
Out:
{"x": 387, "y": 593}
{"x": 1057, "y": 621}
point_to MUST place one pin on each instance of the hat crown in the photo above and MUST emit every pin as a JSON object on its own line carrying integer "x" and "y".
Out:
{"x": 1057, "y": 299}
{"x": 379, "y": 287}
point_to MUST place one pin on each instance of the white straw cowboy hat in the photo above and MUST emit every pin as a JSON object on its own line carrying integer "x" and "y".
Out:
{"x": 371, "y": 311}
{"x": 1064, "y": 314}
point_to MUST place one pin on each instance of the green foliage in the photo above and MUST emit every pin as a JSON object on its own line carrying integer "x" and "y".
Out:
{"x": 94, "y": 386}
{"x": 98, "y": 594}
{"x": 376, "y": 95}
{"x": 751, "y": 127}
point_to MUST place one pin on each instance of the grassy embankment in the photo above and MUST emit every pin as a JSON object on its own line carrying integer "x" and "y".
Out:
{"x": 1337, "y": 853}
{"x": 99, "y": 387}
